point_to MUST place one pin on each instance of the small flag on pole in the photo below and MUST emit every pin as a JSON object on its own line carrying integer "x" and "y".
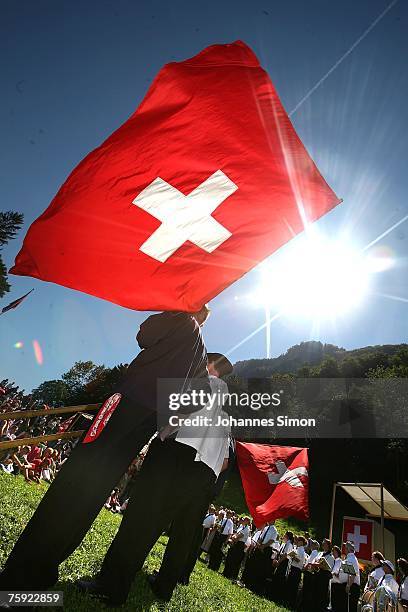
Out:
{"x": 14, "y": 304}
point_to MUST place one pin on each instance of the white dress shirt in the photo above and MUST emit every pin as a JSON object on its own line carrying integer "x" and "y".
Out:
{"x": 209, "y": 521}
{"x": 374, "y": 578}
{"x": 256, "y": 536}
{"x": 286, "y": 548}
{"x": 242, "y": 534}
{"x": 390, "y": 583}
{"x": 351, "y": 559}
{"x": 210, "y": 442}
{"x": 267, "y": 535}
{"x": 336, "y": 571}
{"x": 301, "y": 555}
{"x": 403, "y": 590}
{"x": 227, "y": 527}
{"x": 314, "y": 556}
{"x": 275, "y": 548}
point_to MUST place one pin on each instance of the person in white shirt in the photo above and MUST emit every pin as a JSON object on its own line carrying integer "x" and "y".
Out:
{"x": 298, "y": 558}
{"x": 353, "y": 581}
{"x": 388, "y": 581}
{"x": 223, "y": 530}
{"x": 258, "y": 567}
{"x": 402, "y": 565}
{"x": 209, "y": 520}
{"x": 278, "y": 587}
{"x": 7, "y": 465}
{"x": 338, "y": 600}
{"x": 323, "y": 576}
{"x": 377, "y": 572}
{"x": 236, "y": 551}
{"x": 309, "y": 577}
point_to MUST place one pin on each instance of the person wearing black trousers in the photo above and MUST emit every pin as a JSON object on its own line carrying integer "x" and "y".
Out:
{"x": 277, "y": 590}
{"x": 224, "y": 529}
{"x": 323, "y": 577}
{"x": 170, "y": 482}
{"x": 258, "y": 566}
{"x": 294, "y": 577}
{"x": 236, "y": 551}
{"x": 173, "y": 348}
{"x": 198, "y": 537}
{"x": 175, "y": 481}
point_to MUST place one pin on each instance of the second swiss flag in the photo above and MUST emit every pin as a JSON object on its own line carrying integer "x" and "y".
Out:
{"x": 275, "y": 481}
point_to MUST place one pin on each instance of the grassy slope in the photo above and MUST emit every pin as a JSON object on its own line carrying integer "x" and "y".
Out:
{"x": 207, "y": 592}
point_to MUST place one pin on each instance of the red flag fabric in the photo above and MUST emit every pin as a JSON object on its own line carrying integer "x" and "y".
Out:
{"x": 275, "y": 481}
{"x": 206, "y": 179}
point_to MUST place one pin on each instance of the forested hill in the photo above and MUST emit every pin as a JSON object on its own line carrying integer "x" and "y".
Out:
{"x": 311, "y": 354}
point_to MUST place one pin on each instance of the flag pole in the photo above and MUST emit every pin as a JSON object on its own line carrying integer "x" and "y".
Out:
{"x": 332, "y": 511}
{"x": 268, "y": 329}
{"x": 382, "y": 519}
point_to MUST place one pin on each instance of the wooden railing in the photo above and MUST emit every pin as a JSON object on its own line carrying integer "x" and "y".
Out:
{"x": 26, "y": 414}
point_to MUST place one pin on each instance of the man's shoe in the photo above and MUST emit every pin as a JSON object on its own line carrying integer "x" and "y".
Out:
{"x": 152, "y": 580}
{"x": 90, "y": 587}
{"x": 93, "y": 587}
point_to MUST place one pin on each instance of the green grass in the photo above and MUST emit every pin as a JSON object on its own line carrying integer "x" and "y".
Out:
{"x": 207, "y": 591}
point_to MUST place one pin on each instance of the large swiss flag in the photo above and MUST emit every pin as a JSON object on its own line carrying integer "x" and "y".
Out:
{"x": 275, "y": 481}
{"x": 206, "y": 179}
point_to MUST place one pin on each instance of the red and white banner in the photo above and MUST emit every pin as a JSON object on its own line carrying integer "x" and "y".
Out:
{"x": 206, "y": 179}
{"x": 100, "y": 421}
{"x": 360, "y": 532}
{"x": 275, "y": 481}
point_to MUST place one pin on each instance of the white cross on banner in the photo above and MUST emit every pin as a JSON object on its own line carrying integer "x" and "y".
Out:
{"x": 185, "y": 217}
{"x": 286, "y": 475}
{"x": 357, "y": 538}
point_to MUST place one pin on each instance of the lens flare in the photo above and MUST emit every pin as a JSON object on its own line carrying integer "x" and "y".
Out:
{"x": 18, "y": 345}
{"x": 380, "y": 258}
{"x": 38, "y": 352}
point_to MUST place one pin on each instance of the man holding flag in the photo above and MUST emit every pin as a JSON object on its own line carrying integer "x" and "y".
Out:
{"x": 206, "y": 179}
{"x": 172, "y": 348}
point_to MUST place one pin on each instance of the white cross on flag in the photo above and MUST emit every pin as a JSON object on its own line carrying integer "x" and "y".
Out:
{"x": 360, "y": 532}
{"x": 284, "y": 474}
{"x": 275, "y": 481}
{"x": 202, "y": 182}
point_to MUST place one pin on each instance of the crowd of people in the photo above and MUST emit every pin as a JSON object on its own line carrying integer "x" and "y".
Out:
{"x": 297, "y": 571}
{"x": 40, "y": 462}
{"x": 12, "y": 399}
{"x": 36, "y": 462}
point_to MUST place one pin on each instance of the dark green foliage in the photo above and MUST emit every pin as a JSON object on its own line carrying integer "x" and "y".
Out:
{"x": 84, "y": 383}
{"x": 10, "y": 223}
{"x": 51, "y": 392}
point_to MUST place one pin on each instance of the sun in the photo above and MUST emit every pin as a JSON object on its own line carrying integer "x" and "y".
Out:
{"x": 318, "y": 277}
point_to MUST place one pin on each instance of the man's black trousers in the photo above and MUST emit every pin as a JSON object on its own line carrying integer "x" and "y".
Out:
{"x": 171, "y": 486}
{"x": 76, "y": 496}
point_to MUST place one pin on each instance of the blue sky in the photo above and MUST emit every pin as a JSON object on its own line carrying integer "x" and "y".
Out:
{"x": 72, "y": 72}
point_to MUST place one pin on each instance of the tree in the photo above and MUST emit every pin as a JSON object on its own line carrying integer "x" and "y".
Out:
{"x": 104, "y": 383}
{"x": 51, "y": 392}
{"x": 329, "y": 368}
{"x": 78, "y": 378}
{"x": 10, "y": 223}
